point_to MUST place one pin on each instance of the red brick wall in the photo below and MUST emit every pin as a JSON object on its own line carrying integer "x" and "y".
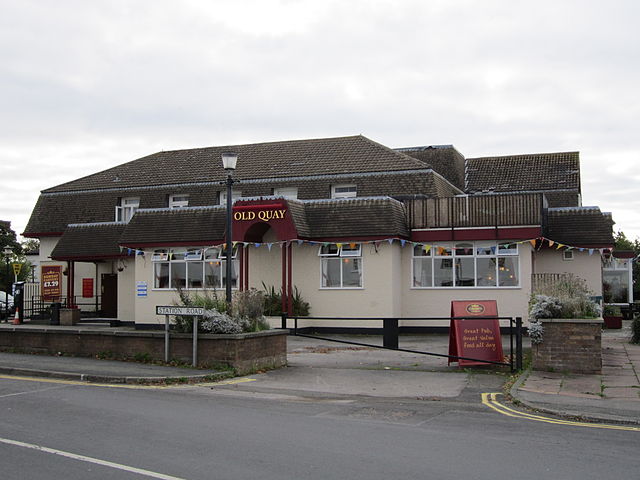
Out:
{"x": 245, "y": 352}
{"x": 569, "y": 347}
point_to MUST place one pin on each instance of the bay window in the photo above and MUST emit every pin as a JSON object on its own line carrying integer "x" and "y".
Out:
{"x": 192, "y": 268}
{"x": 465, "y": 264}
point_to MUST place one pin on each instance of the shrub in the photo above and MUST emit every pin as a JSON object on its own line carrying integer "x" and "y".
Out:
{"x": 635, "y": 330}
{"x": 246, "y": 313}
{"x": 273, "y": 302}
{"x": 568, "y": 298}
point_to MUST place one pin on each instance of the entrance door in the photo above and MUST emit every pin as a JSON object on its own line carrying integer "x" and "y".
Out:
{"x": 109, "y": 295}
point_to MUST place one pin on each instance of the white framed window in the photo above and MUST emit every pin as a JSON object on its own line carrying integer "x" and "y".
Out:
{"x": 178, "y": 201}
{"x": 465, "y": 265}
{"x": 341, "y": 265}
{"x": 193, "y": 268}
{"x": 235, "y": 195}
{"x": 126, "y": 208}
{"x": 343, "y": 191}
{"x": 617, "y": 279}
{"x": 286, "y": 192}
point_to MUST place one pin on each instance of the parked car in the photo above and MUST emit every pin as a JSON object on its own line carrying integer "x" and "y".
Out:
{"x": 3, "y": 304}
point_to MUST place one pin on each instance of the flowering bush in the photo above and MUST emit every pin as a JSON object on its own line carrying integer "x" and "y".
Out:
{"x": 536, "y": 332}
{"x": 568, "y": 298}
{"x": 246, "y": 313}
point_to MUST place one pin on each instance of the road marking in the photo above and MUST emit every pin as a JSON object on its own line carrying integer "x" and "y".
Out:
{"x": 86, "y": 384}
{"x": 233, "y": 381}
{"x": 83, "y": 458}
{"x": 489, "y": 399}
{"x": 31, "y": 391}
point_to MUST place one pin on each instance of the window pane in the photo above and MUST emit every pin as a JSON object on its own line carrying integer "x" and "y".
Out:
{"x": 330, "y": 272}
{"x": 211, "y": 253}
{"x": 486, "y": 272}
{"x": 486, "y": 250}
{"x": 422, "y": 251}
{"x": 422, "y": 272}
{"x": 441, "y": 251}
{"x": 177, "y": 255}
{"x": 349, "y": 251}
{"x": 194, "y": 272}
{"x": 234, "y": 273}
{"x": 351, "y": 272}
{"x": 161, "y": 275}
{"x": 615, "y": 286}
{"x": 465, "y": 274}
{"x": 507, "y": 249}
{"x": 178, "y": 275}
{"x": 443, "y": 272}
{"x": 328, "y": 250}
{"x": 212, "y": 274}
{"x": 508, "y": 272}
{"x": 464, "y": 249}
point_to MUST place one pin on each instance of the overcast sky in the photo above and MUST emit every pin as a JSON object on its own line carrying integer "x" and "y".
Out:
{"x": 87, "y": 85}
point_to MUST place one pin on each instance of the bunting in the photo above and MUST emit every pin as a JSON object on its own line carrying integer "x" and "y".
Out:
{"x": 536, "y": 243}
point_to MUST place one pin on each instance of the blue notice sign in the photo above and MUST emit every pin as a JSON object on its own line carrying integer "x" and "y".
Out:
{"x": 141, "y": 289}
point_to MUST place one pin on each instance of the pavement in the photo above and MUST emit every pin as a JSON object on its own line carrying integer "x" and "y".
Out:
{"x": 612, "y": 396}
{"x": 322, "y": 368}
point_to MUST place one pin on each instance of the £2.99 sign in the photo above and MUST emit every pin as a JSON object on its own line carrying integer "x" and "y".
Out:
{"x": 51, "y": 278}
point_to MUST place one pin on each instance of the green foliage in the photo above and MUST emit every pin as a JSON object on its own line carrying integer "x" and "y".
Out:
{"x": 208, "y": 300}
{"x": 635, "y": 330}
{"x": 247, "y": 312}
{"x": 273, "y": 302}
{"x": 248, "y": 305}
{"x": 143, "y": 357}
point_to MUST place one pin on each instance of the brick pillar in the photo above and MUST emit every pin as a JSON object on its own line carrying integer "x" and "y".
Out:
{"x": 572, "y": 345}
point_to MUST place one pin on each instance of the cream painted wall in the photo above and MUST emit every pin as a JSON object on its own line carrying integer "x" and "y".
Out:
{"x": 127, "y": 289}
{"x": 374, "y": 300}
{"x": 583, "y": 265}
{"x": 436, "y": 302}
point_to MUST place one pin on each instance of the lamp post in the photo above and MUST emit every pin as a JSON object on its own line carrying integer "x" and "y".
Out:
{"x": 7, "y": 257}
{"x": 229, "y": 163}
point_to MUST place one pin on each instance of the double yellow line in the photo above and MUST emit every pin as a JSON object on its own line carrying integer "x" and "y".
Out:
{"x": 489, "y": 399}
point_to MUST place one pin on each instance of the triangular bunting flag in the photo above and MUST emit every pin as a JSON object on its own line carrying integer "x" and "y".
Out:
{"x": 269, "y": 245}
{"x": 402, "y": 242}
{"x": 551, "y": 242}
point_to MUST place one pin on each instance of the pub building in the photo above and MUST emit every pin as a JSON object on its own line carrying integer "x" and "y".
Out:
{"x": 358, "y": 228}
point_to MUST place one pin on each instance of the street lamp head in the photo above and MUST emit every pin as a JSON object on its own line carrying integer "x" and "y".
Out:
{"x": 229, "y": 160}
{"x": 8, "y": 251}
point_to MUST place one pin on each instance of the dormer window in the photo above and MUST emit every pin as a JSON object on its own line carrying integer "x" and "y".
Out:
{"x": 343, "y": 191}
{"x": 178, "y": 201}
{"x": 235, "y": 195}
{"x": 286, "y": 192}
{"x": 126, "y": 208}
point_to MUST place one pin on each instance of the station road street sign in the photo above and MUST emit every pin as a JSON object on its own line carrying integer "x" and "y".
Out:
{"x": 173, "y": 310}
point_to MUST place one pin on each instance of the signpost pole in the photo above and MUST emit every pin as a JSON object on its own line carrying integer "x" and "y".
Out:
{"x": 166, "y": 339}
{"x": 518, "y": 343}
{"x": 195, "y": 342}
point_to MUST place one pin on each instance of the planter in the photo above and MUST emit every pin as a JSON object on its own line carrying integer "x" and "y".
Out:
{"x": 612, "y": 321}
{"x": 244, "y": 352}
{"x": 572, "y": 345}
{"x": 69, "y": 316}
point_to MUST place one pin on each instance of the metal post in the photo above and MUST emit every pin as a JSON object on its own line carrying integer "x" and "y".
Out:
{"x": 518, "y": 343}
{"x": 229, "y": 240}
{"x": 6, "y": 298}
{"x": 283, "y": 325}
{"x": 195, "y": 342}
{"x": 166, "y": 339}
{"x": 390, "y": 333}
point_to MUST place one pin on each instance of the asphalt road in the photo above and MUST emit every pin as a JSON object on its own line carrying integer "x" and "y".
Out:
{"x": 221, "y": 432}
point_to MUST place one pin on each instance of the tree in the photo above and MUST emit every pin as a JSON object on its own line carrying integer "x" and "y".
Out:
{"x": 8, "y": 238}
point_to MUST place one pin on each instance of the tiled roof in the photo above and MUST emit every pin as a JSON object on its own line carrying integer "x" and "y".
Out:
{"x": 541, "y": 171}
{"x": 89, "y": 242}
{"x": 444, "y": 159}
{"x": 255, "y": 161}
{"x": 187, "y": 226}
{"x": 356, "y": 217}
{"x": 580, "y": 227}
